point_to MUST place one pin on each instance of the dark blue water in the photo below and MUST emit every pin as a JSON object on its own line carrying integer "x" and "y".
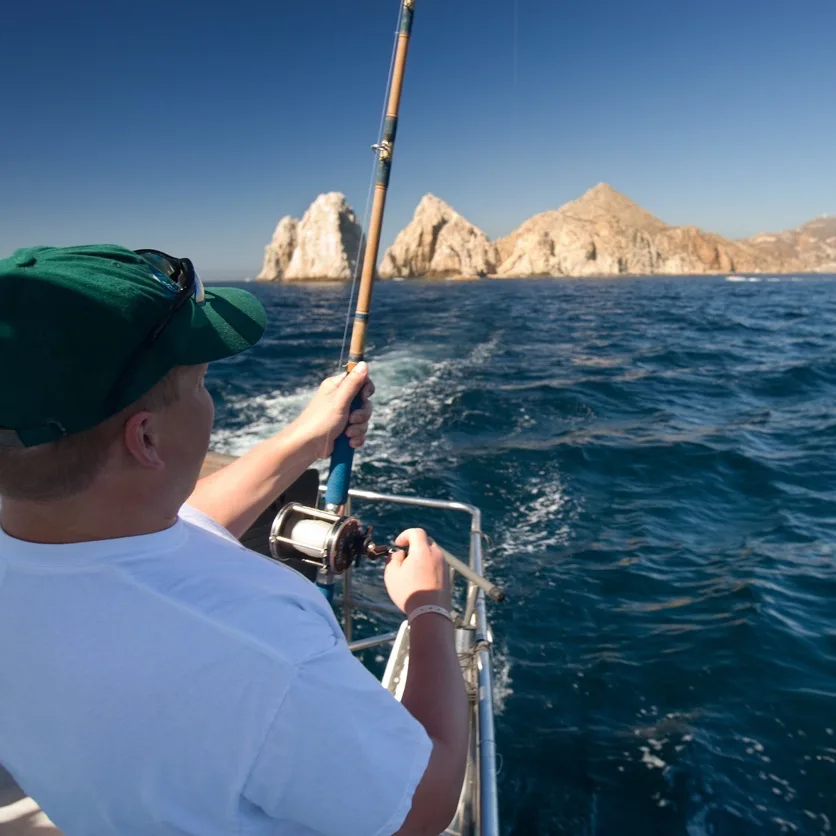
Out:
{"x": 656, "y": 461}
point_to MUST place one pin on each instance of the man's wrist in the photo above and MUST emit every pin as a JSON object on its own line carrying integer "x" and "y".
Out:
{"x": 428, "y": 624}
{"x": 430, "y": 609}
{"x": 434, "y": 598}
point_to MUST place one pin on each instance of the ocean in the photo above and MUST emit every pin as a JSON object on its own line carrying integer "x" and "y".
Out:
{"x": 656, "y": 462}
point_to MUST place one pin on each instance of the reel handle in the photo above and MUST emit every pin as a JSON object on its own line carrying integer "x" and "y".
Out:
{"x": 496, "y": 593}
{"x": 342, "y": 459}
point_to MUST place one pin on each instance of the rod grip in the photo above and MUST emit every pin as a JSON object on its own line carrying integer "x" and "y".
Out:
{"x": 342, "y": 459}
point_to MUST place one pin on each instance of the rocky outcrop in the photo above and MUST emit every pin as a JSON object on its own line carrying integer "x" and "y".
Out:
{"x": 323, "y": 246}
{"x": 279, "y": 252}
{"x": 811, "y": 247}
{"x": 603, "y": 233}
{"x": 439, "y": 242}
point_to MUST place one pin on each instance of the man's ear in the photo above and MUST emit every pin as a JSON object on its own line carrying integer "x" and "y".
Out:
{"x": 142, "y": 440}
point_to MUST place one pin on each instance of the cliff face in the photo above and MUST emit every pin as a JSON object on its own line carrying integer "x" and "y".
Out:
{"x": 439, "y": 242}
{"x": 323, "y": 246}
{"x": 279, "y": 252}
{"x": 603, "y": 233}
{"x": 812, "y": 247}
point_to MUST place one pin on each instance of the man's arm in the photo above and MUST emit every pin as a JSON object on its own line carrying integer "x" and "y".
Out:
{"x": 238, "y": 494}
{"x": 434, "y": 693}
{"x": 436, "y": 698}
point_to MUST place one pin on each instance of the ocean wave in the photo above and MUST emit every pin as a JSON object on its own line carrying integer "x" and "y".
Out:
{"x": 656, "y": 465}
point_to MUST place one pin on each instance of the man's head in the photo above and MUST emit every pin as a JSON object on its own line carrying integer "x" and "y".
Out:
{"x": 102, "y": 357}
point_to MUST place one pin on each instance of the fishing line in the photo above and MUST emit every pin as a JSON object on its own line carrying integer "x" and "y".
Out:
{"x": 516, "y": 51}
{"x": 358, "y": 264}
{"x": 515, "y": 88}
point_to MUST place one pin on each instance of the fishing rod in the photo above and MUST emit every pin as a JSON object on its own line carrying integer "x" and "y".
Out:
{"x": 329, "y": 539}
{"x": 342, "y": 459}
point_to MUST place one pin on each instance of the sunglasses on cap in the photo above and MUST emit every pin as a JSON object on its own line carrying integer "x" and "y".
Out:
{"x": 180, "y": 278}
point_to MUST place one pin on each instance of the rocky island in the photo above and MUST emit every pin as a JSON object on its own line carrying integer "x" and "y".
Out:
{"x": 439, "y": 243}
{"x": 323, "y": 246}
{"x": 602, "y": 233}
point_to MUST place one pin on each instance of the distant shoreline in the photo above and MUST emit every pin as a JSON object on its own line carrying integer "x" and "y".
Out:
{"x": 732, "y": 277}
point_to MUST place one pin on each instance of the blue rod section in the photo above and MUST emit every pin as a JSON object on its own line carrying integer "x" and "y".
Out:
{"x": 339, "y": 477}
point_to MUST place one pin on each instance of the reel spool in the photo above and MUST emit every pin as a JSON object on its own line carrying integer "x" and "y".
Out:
{"x": 321, "y": 539}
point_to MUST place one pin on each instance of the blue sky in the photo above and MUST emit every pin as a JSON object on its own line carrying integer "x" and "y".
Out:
{"x": 195, "y": 127}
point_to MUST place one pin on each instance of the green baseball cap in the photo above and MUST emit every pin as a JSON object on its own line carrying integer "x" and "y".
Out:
{"x": 74, "y": 335}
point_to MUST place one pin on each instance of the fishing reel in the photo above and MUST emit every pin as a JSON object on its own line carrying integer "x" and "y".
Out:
{"x": 322, "y": 539}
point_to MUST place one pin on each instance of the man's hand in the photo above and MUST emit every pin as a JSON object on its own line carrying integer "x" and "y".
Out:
{"x": 327, "y": 415}
{"x": 421, "y": 577}
{"x": 238, "y": 494}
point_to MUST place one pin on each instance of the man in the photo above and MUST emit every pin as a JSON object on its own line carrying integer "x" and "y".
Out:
{"x": 155, "y": 676}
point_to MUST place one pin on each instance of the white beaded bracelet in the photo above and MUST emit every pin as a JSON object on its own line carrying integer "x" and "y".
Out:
{"x": 429, "y": 608}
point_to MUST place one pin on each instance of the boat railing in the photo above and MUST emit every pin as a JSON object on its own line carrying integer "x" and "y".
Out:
{"x": 473, "y": 638}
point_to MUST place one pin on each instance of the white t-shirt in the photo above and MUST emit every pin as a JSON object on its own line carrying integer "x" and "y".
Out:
{"x": 177, "y": 683}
